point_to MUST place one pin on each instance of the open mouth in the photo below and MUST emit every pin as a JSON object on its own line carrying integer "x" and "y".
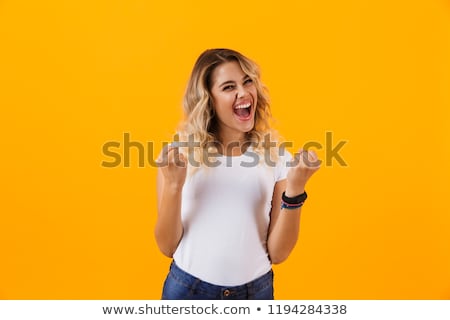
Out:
{"x": 243, "y": 111}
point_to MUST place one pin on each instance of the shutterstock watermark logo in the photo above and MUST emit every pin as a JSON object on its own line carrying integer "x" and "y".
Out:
{"x": 120, "y": 153}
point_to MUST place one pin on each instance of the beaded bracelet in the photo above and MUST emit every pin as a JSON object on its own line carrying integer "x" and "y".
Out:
{"x": 285, "y": 205}
{"x": 294, "y": 202}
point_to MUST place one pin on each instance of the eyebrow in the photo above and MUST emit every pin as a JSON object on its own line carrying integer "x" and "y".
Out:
{"x": 232, "y": 82}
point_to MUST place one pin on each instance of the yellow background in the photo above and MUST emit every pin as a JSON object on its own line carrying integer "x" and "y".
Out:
{"x": 77, "y": 74}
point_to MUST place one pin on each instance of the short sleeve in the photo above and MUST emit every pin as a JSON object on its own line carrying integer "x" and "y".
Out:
{"x": 282, "y": 167}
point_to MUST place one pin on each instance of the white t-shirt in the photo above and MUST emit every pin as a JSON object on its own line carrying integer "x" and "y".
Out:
{"x": 225, "y": 214}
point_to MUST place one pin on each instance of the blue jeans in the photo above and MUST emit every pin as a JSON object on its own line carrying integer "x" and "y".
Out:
{"x": 180, "y": 285}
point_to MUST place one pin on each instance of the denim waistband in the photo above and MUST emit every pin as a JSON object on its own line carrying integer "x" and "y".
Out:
{"x": 244, "y": 291}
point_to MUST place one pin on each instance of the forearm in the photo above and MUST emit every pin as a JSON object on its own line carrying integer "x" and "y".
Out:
{"x": 285, "y": 229}
{"x": 284, "y": 235}
{"x": 169, "y": 229}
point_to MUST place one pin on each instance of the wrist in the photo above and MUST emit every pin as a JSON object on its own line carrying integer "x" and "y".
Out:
{"x": 174, "y": 187}
{"x": 291, "y": 203}
{"x": 292, "y": 191}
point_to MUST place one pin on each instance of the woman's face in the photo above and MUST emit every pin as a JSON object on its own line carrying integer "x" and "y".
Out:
{"x": 234, "y": 100}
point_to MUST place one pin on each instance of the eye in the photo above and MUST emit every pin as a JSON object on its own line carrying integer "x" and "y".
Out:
{"x": 228, "y": 88}
{"x": 248, "y": 80}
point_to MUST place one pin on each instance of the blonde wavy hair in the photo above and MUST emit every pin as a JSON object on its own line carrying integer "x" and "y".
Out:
{"x": 200, "y": 121}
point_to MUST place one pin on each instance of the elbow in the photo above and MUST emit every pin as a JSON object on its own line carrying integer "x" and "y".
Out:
{"x": 164, "y": 246}
{"x": 166, "y": 250}
{"x": 278, "y": 258}
{"x": 279, "y": 253}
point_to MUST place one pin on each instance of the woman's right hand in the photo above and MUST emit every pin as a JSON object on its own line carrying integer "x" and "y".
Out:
{"x": 173, "y": 167}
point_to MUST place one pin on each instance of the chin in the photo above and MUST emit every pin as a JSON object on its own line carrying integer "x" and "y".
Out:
{"x": 247, "y": 129}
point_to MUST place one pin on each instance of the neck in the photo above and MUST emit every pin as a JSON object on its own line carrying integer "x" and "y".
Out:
{"x": 231, "y": 144}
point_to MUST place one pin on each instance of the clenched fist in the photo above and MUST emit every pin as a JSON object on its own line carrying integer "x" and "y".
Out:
{"x": 305, "y": 164}
{"x": 173, "y": 166}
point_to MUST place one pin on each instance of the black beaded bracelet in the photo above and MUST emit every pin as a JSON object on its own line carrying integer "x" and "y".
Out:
{"x": 294, "y": 200}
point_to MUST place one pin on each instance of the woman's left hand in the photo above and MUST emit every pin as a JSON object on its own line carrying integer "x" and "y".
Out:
{"x": 305, "y": 164}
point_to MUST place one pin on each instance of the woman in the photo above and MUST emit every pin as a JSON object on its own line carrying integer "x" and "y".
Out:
{"x": 229, "y": 200}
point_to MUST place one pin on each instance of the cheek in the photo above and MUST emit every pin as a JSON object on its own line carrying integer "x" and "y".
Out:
{"x": 224, "y": 102}
{"x": 254, "y": 93}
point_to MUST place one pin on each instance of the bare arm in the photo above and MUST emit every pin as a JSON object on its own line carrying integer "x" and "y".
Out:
{"x": 285, "y": 223}
{"x": 170, "y": 180}
{"x": 284, "y": 227}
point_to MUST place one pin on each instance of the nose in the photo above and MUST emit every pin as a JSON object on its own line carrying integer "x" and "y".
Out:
{"x": 241, "y": 92}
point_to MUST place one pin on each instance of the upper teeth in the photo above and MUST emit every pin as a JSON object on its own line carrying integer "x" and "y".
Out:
{"x": 242, "y": 106}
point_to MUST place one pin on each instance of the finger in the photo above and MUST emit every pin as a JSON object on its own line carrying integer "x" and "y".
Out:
{"x": 312, "y": 155}
{"x": 174, "y": 144}
{"x": 165, "y": 150}
{"x": 172, "y": 154}
{"x": 309, "y": 159}
{"x": 176, "y": 158}
{"x": 313, "y": 159}
{"x": 180, "y": 161}
{"x": 162, "y": 156}
{"x": 165, "y": 157}
{"x": 298, "y": 155}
